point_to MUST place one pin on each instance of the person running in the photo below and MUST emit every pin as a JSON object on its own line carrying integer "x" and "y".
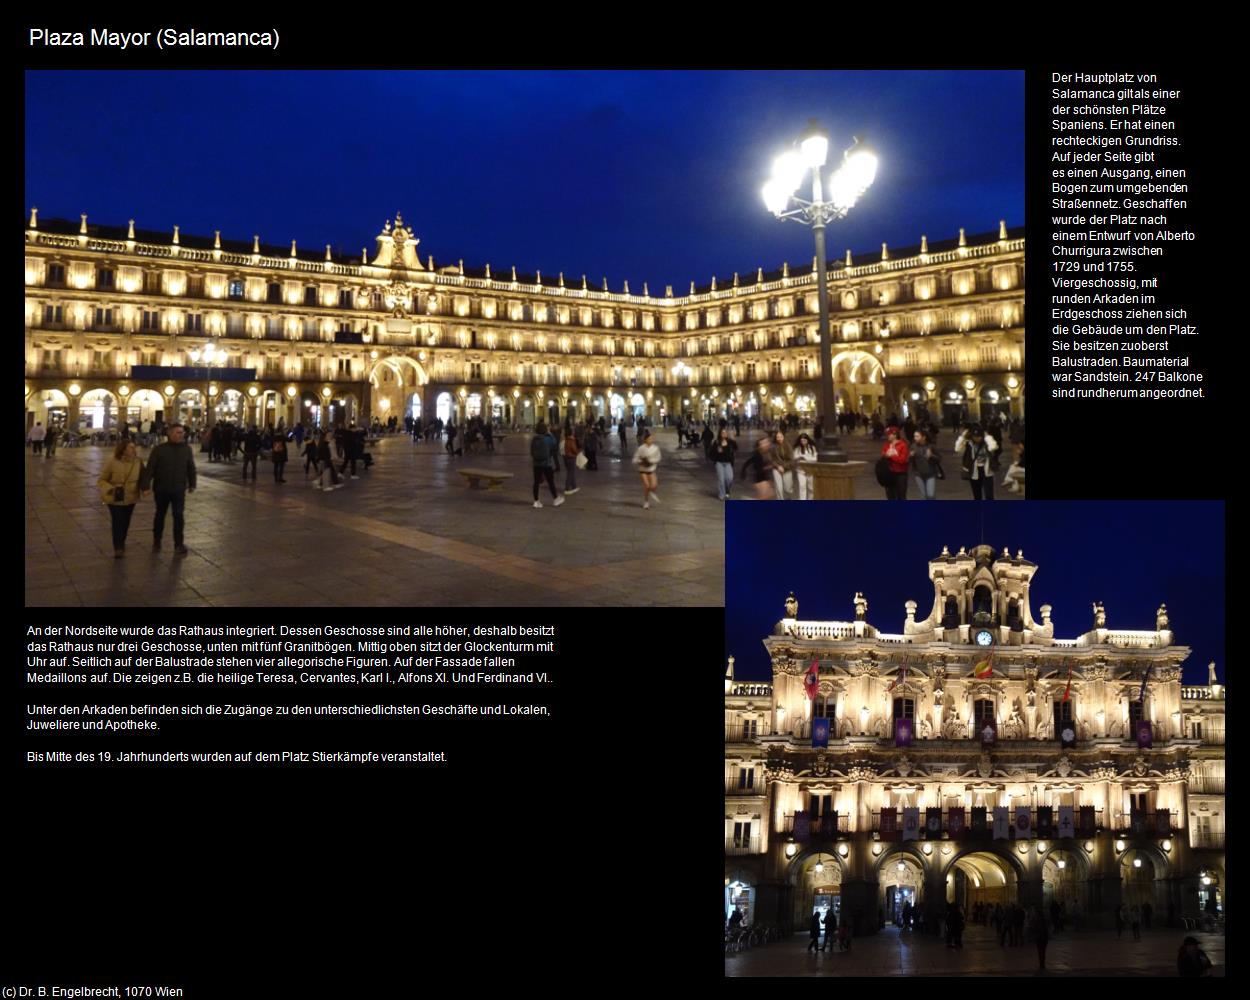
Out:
{"x": 804, "y": 455}
{"x": 978, "y": 453}
{"x": 724, "y": 451}
{"x": 121, "y": 482}
{"x": 647, "y": 458}
{"x": 758, "y": 470}
{"x": 542, "y": 456}
{"x": 895, "y": 452}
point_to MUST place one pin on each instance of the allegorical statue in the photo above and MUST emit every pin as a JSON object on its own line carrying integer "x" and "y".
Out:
{"x": 792, "y": 606}
{"x": 1100, "y": 615}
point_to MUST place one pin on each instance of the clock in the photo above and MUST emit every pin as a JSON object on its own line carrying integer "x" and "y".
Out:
{"x": 984, "y": 637}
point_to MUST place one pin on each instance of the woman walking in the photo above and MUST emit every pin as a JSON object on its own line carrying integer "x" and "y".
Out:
{"x": 895, "y": 452}
{"x": 310, "y": 456}
{"x": 647, "y": 458}
{"x": 570, "y": 461}
{"x": 325, "y": 460}
{"x": 804, "y": 454}
{"x": 542, "y": 456}
{"x": 724, "y": 450}
{"x": 978, "y": 453}
{"x": 925, "y": 464}
{"x": 121, "y": 482}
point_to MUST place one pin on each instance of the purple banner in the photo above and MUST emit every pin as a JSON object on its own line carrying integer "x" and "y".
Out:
{"x": 802, "y": 826}
{"x": 889, "y": 821}
{"x": 989, "y": 732}
{"x": 933, "y": 822}
{"x": 1145, "y": 738}
{"x": 955, "y": 820}
{"x": 902, "y": 732}
{"x": 820, "y": 732}
{"x": 1024, "y": 826}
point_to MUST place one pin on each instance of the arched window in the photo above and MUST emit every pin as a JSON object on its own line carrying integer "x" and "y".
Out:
{"x": 982, "y": 601}
{"x": 983, "y": 710}
{"x": 950, "y": 614}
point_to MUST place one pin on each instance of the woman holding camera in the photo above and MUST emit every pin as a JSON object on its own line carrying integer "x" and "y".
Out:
{"x": 122, "y": 480}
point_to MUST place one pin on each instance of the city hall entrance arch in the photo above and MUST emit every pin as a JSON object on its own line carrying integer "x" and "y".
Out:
{"x": 981, "y": 877}
{"x": 816, "y": 877}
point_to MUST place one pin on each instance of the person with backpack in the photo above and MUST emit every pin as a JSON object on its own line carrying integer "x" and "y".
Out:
{"x": 277, "y": 454}
{"x": 542, "y": 457}
{"x": 978, "y": 453}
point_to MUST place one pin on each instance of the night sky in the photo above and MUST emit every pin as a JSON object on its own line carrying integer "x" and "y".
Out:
{"x": 1131, "y": 556}
{"x": 643, "y": 175}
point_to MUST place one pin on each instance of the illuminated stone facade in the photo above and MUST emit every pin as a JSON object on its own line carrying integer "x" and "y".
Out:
{"x": 938, "y": 326}
{"x": 809, "y": 826}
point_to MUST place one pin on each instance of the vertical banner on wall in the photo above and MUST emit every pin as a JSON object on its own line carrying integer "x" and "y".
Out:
{"x": 889, "y": 823}
{"x": 989, "y": 732}
{"x": 802, "y": 826}
{"x": 1045, "y": 822}
{"x": 1001, "y": 823}
{"x": 933, "y": 823}
{"x": 1024, "y": 826}
{"x": 902, "y": 732}
{"x": 955, "y": 821}
{"x": 1087, "y": 819}
{"x": 1163, "y": 821}
{"x": 820, "y": 732}
{"x": 1067, "y": 827}
{"x": 911, "y": 823}
{"x": 979, "y": 825}
{"x": 1145, "y": 739}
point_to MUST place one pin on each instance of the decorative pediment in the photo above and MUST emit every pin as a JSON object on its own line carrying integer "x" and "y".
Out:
{"x": 1064, "y": 768}
{"x": 905, "y": 767}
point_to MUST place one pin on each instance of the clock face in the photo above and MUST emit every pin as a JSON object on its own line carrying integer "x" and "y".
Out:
{"x": 983, "y": 638}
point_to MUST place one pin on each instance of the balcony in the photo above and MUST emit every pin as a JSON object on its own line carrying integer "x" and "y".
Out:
{"x": 1086, "y": 824}
{"x": 814, "y": 827}
{"x": 742, "y": 733}
{"x": 755, "y": 784}
{"x": 1205, "y": 785}
{"x": 1154, "y": 824}
{"x": 745, "y": 845}
{"x": 1212, "y": 841}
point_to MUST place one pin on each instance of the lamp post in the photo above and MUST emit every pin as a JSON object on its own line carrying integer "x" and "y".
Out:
{"x": 846, "y": 185}
{"x": 209, "y": 354}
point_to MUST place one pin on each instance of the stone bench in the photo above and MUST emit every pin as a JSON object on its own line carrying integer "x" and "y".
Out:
{"x": 492, "y": 476}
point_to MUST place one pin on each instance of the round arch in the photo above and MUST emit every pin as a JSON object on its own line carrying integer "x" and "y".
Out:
{"x": 97, "y": 410}
{"x": 1142, "y": 872}
{"x": 900, "y": 874}
{"x": 982, "y": 876}
{"x": 815, "y": 891}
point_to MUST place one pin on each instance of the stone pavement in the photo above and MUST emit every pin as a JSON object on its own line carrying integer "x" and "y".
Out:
{"x": 408, "y": 532}
{"x": 892, "y": 953}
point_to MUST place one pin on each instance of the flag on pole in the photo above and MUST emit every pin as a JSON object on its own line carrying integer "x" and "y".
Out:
{"x": 1141, "y": 695}
{"x": 811, "y": 682}
{"x": 900, "y": 677}
{"x": 1068, "y": 690}
{"x": 986, "y": 667}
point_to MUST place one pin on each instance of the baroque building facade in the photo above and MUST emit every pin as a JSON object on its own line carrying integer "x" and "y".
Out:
{"x": 935, "y": 785}
{"x": 307, "y": 336}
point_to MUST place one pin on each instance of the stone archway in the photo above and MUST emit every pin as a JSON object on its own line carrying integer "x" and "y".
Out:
{"x": 982, "y": 876}
{"x": 815, "y": 876}
{"x": 393, "y": 382}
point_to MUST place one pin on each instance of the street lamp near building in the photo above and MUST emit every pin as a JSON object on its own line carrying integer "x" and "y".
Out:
{"x": 209, "y": 354}
{"x": 845, "y": 187}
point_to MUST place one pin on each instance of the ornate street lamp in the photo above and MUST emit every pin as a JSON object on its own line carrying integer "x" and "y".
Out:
{"x": 845, "y": 187}
{"x": 209, "y": 354}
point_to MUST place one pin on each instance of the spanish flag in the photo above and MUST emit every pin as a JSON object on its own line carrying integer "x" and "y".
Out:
{"x": 986, "y": 667}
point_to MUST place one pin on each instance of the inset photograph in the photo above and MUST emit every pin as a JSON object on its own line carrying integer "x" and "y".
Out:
{"x": 971, "y": 740}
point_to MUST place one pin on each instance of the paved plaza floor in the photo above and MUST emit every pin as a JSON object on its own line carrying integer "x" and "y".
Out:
{"x": 408, "y": 532}
{"x": 892, "y": 953}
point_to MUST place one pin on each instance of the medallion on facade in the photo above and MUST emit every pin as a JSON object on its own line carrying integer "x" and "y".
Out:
{"x": 985, "y": 766}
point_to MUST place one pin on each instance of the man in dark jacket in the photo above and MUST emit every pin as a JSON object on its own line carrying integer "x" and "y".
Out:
{"x": 171, "y": 467}
{"x": 251, "y": 451}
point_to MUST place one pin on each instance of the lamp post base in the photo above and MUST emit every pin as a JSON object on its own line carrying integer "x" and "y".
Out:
{"x": 829, "y": 449}
{"x": 834, "y": 480}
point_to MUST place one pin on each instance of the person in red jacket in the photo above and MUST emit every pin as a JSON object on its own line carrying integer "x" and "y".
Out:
{"x": 895, "y": 450}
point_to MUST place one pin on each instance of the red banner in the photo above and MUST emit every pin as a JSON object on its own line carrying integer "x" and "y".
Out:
{"x": 889, "y": 821}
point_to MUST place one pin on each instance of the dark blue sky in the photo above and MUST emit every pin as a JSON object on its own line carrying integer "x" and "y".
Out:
{"x": 1131, "y": 556}
{"x": 647, "y": 175}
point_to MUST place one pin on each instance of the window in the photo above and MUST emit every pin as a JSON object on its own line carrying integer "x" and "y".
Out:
{"x": 820, "y": 804}
{"x": 235, "y": 290}
{"x": 475, "y": 371}
{"x": 1195, "y": 730}
{"x": 1134, "y": 715}
{"x": 106, "y": 278}
{"x": 989, "y": 354}
{"x": 274, "y": 293}
{"x": 746, "y": 778}
{"x": 195, "y": 323}
{"x": 345, "y": 298}
{"x": 310, "y": 295}
{"x": 309, "y": 367}
{"x": 825, "y": 706}
{"x": 51, "y": 359}
{"x": 103, "y": 318}
{"x": 148, "y": 358}
{"x": 100, "y": 361}
{"x": 53, "y": 315}
{"x": 950, "y": 357}
{"x": 983, "y": 711}
{"x": 750, "y": 371}
{"x": 195, "y": 286}
{"x": 56, "y": 274}
{"x": 904, "y": 708}
{"x": 375, "y": 300}
{"x": 803, "y": 368}
{"x": 1063, "y": 716}
{"x": 742, "y": 834}
{"x": 151, "y": 320}
{"x": 273, "y": 327}
{"x": 750, "y": 728}
{"x": 345, "y": 367}
{"x": 234, "y": 325}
